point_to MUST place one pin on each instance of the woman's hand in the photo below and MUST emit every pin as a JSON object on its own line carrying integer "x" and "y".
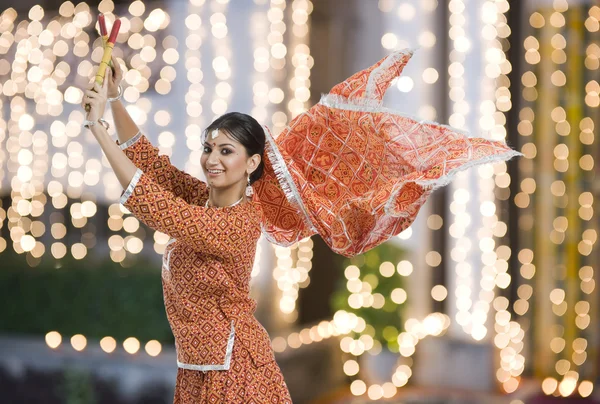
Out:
{"x": 117, "y": 77}
{"x": 96, "y": 98}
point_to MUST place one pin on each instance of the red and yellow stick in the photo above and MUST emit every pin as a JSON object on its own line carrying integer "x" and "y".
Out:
{"x": 103, "y": 31}
{"x": 110, "y": 44}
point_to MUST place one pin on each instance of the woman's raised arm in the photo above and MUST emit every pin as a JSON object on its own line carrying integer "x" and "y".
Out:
{"x": 96, "y": 99}
{"x": 145, "y": 156}
{"x": 124, "y": 124}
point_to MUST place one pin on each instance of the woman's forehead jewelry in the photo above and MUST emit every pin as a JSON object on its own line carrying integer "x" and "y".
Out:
{"x": 215, "y": 133}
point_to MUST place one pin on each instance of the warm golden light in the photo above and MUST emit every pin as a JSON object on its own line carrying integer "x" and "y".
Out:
{"x": 53, "y": 339}
{"x": 108, "y": 344}
{"x": 131, "y": 345}
{"x": 78, "y": 342}
{"x": 153, "y": 348}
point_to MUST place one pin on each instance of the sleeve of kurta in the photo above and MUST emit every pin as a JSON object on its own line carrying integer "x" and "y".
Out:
{"x": 207, "y": 229}
{"x": 158, "y": 167}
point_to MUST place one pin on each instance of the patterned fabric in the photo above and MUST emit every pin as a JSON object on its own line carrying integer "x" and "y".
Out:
{"x": 205, "y": 273}
{"x": 243, "y": 383}
{"x": 356, "y": 172}
{"x": 145, "y": 157}
{"x": 348, "y": 169}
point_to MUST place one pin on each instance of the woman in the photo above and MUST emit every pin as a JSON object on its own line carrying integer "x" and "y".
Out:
{"x": 224, "y": 354}
{"x": 349, "y": 169}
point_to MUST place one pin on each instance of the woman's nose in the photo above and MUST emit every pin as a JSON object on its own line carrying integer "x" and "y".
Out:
{"x": 212, "y": 158}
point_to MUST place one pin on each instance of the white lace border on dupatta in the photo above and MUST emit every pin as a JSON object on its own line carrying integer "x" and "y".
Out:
{"x": 369, "y": 102}
{"x": 285, "y": 179}
{"x": 374, "y": 105}
{"x": 433, "y": 184}
{"x": 386, "y": 64}
{"x": 226, "y": 364}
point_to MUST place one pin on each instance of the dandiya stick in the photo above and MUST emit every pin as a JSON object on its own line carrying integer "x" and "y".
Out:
{"x": 103, "y": 32}
{"x": 110, "y": 44}
{"x": 108, "y": 48}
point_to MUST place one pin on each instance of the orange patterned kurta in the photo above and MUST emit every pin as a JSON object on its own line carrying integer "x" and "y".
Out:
{"x": 224, "y": 354}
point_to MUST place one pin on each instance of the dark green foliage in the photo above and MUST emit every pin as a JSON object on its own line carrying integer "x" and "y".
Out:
{"x": 388, "y": 320}
{"x": 77, "y": 387}
{"x": 94, "y": 297}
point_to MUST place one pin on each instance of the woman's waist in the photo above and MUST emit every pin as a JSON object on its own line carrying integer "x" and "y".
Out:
{"x": 243, "y": 322}
{"x": 218, "y": 314}
{"x": 195, "y": 308}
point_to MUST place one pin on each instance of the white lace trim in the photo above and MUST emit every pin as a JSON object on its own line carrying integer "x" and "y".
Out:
{"x": 386, "y": 64}
{"x": 272, "y": 239}
{"x": 433, "y": 184}
{"x": 285, "y": 179}
{"x": 131, "y": 141}
{"x": 226, "y": 364}
{"x": 370, "y": 105}
{"x": 167, "y": 255}
{"x": 132, "y": 184}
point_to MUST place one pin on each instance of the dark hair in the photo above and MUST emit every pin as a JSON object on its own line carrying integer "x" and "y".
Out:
{"x": 246, "y": 130}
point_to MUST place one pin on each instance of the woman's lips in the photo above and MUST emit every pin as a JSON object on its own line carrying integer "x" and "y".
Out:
{"x": 214, "y": 174}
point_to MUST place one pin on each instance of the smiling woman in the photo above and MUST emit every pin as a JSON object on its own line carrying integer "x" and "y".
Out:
{"x": 224, "y": 354}
{"x": 232, "y": 157}
{"x": 349, "y": 169}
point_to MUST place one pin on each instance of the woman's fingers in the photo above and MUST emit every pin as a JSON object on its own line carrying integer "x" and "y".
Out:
{"x": 96, "y": 96}
{"x": 94, "y": 105}
{"x": 107, "y": 79}
{"x": 116, "y": 66}
{"x": 118, "y": 70}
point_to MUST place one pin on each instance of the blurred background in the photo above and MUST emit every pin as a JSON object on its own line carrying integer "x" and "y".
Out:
{"x": 489, "y": 297}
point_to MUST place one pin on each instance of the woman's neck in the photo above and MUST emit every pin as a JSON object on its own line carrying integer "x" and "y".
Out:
{"x": 226, "y": 197}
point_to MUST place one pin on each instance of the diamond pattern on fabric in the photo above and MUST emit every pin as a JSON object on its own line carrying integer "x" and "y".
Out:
{"x": 206, "y": 282}
{"x": 356, "y": 172}
{"x": 242, "y": 383}
{"x": 145, "y": 157}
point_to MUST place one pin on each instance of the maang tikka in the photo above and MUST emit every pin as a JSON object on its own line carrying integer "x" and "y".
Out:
{"x": 214, "y": 134}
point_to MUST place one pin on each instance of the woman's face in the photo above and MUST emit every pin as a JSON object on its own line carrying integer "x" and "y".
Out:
{"x": 227, "y": 158}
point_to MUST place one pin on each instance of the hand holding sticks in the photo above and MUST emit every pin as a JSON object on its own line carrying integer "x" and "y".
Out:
{"x": 109, "y": 43}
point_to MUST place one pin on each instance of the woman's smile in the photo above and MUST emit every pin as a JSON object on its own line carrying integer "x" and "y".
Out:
{"x": 214, "y": 173}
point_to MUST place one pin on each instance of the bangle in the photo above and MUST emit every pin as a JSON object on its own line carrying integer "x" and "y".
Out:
{"x": 88, "y": 124}
{"x": 118, "y": 97}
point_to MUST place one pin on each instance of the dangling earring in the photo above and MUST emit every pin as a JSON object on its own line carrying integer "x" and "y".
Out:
{"x": 249, "y": 190}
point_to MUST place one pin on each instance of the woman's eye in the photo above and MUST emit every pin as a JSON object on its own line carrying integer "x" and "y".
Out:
{"x": 207, "y": 150}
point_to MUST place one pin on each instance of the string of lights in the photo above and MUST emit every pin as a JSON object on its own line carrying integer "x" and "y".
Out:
{"x": 53, "y": 172}
{"x": 557, "y": 187}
